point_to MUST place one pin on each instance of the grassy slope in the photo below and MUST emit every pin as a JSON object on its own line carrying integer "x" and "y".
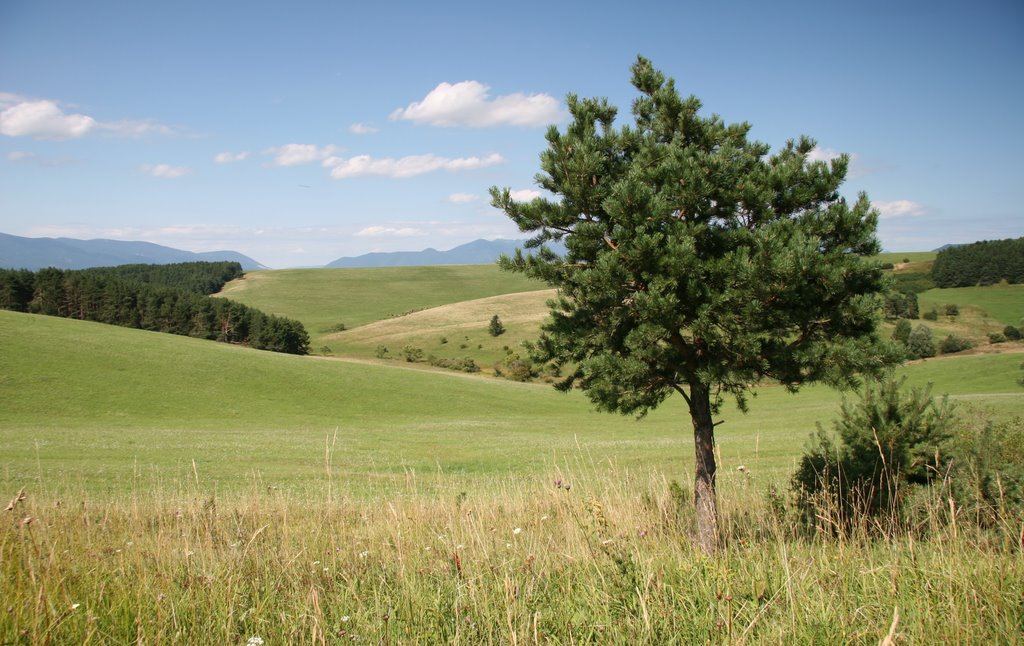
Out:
{"x": 97, "y": 405}
{"x": 323, "y": 298}
{"x": 456, "y": 330}
{"x": 1003, "y": 303}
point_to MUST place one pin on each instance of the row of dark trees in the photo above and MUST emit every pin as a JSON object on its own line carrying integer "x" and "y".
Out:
{"x": 164, "y": 298}
{"x": 981, "y": 263}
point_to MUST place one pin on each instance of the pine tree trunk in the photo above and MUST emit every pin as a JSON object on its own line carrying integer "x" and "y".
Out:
{"x": 704, "y": 485}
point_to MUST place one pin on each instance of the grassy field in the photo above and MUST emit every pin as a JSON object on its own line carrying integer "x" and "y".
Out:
{"x": 323, "y": 299}
{"x": 184, "y": 491}
{"x": 1002, "y": 304}
{"x": 91, "y": 407}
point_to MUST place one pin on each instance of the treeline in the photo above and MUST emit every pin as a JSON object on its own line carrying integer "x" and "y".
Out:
{"x": 981, "y": 263}
{"x": 166, "y": 298}
{"x": 199, "y": 277}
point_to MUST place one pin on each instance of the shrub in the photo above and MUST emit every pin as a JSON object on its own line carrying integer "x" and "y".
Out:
{"x": 465, "y": 364}
{"x": 888, "y": 265}
{"x": 1012, "y": 333}
{"x": 951, "y": 309}
{"x": 412, "y": 354}
{"x": 515, "y": 368}
{"x": 885, "y": 441}
{"x": 953, "y": 343}
{"x": 988, "y": 461}
{"x": 920, "y": 344}
{"x": 931, "y": 315}
{"x": 381, "y": 351}
{"x": 996, "y": 337}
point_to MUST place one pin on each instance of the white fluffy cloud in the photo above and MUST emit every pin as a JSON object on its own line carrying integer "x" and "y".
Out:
{"x": 409, "y": 166}
{"x": 469, "y": 104}
{"x": 298, "y": 154}
{"x": 524, "y": 195}
{"x": 43, "y": 120}
{"x": 462, "y": 198}
{"x": 166, "y": 171}
{"x": 228, "y": 158}
{"x": 899, "y": 209}
{"x": 390, "y": 232}
{"x": 361, "y": 129}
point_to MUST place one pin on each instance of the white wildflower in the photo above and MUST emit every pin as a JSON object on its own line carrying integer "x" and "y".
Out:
{"x": 517, "y": 531}
{"x": 254, "y": 641}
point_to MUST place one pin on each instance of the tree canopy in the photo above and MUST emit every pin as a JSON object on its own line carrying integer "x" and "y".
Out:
{"x": 696, "y": 262}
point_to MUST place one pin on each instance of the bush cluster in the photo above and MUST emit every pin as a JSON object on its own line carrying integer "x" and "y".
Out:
{"x": 462, "y": 364}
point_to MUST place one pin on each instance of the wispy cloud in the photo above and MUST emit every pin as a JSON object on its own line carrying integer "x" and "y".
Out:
{"x": 299, "y": 154}
{"x": 462, "y": 198}
{"x": 24, "y": 157}
{"x": 389, "y": 232}
{"x": 165, "y": 171}
{"x": 899, "y": 209}
{"x": 137, "y": 128}
{"x": 362, "y": 129}
{"x": 469, "y": 104}
{"x": 229, "y": 158}
{"x": 409, "y": 166}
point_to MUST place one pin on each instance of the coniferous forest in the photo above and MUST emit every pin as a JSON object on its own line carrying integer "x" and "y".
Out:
{"x": 164, "y": 298}
{"x": 981, "y": 263}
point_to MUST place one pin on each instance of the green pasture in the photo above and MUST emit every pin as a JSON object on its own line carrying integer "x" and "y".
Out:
{"x": 906, "y": 256}
{"x": 1004, "y": 304}
{"x": 323, "y": 299}
{"x": 111, "y": 410}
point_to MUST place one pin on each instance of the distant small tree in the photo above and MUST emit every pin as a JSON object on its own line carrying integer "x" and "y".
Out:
{"x": 496, "y": 328}
{"x": 901, "y": 332}
{"x": 1012, "y": 333}
{"x": 381, "y": 351}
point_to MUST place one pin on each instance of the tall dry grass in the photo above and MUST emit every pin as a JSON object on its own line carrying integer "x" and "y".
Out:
{"x": 592, "y": 554}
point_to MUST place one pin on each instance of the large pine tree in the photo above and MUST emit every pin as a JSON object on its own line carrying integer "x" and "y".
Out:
{"x": 696, "y": 263}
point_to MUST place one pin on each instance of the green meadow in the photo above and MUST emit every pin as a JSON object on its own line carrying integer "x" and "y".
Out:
{"x": 1001, "y": 304}
{"x": 324, "y": 299}
{"x": 184, "y": 491}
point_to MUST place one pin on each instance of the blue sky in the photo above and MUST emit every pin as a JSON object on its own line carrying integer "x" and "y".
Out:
{"x": 300, "y": 132}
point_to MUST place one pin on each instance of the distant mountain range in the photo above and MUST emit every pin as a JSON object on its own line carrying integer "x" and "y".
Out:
{"x": 478, "y": 252}
{"x": 17, "y": 252}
